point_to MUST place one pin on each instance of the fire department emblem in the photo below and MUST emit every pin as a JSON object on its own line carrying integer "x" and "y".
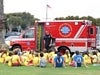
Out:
{"x": 65, "y": 29}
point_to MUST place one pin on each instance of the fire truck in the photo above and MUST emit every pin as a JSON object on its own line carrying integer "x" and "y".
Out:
{"x": 70, "y": 34}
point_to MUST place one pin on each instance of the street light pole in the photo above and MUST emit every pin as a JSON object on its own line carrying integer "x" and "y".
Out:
{"x": 47, "y": 6}
{"x": 46, "y": 12}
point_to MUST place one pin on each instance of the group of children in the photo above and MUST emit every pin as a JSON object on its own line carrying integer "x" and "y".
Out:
{"x": 34, "y": 58}
{"x": 25, "y": 58}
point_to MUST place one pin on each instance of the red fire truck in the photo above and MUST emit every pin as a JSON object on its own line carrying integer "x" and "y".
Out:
{"x": 70, "y": 34}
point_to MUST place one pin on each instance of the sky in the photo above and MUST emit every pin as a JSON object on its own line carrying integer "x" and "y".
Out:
{"x": 58, "y": 8}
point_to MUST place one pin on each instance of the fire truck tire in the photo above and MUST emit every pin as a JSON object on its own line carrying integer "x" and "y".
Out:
{"x": 18, "y": 47}
{"x": 63, "y": 49}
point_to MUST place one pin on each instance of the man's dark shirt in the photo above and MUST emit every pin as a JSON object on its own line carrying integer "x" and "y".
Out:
{"x": 47, "y": 39}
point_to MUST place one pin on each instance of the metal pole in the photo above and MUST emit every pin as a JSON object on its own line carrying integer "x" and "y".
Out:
{"x": 46, "y": 12}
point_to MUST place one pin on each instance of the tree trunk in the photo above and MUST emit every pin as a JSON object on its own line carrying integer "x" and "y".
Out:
{"x": 1, "y": 22}
{"x": 1, "y": 37}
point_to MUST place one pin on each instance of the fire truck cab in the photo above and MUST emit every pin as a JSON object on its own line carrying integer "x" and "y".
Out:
{"x": 70, "y": 34}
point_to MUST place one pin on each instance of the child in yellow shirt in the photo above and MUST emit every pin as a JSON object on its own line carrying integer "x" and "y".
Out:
{"x": 98, "y": 56}
{"x": 94, "y": 57}
{"x": 30, "y": 58}
{"x": 3, "y": 56}
{"x": 8, "y": 57}
{"x": 36, "y": 60}
{"x": 50, "y": 56}
{"x": 24, "y": 60}
{"x": 67, "y": 58}
{"x": 15, "y": 59}
{"x": 1, "y": 59}
{"x": 86, "y": 59}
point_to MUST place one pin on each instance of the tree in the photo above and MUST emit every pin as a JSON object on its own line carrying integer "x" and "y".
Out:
{"x": 20, "y": 19}
{"x": 98, "y": 21}
{"x": 95, "y": 21}
{"x": 60, "y": 18}
{"x": 76, "y": 18}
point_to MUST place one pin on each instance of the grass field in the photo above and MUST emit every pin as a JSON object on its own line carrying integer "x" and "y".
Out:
{"x": 49, "y": 70}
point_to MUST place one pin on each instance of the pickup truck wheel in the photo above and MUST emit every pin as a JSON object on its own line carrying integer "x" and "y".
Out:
{"x": 17, "y": 48}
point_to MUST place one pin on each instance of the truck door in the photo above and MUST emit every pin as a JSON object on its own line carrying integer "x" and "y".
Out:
{"x": 40, "y": 33}
{"x": 28, "y": 40}
{"x": 92, "y": 35}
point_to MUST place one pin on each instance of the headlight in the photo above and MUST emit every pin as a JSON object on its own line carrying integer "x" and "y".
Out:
{"x": 7, "y": 42}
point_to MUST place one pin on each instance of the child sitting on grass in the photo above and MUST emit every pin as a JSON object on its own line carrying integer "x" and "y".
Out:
{"x": 87, "y": 59}
{"x": 67, "y": 58}
{"x": 3, "y": 55}
{"x": 8, "y": 57}
{"x": 43, "y": 61}
{"x": 98, "y": 56}
{"x": 15, "y": 59}
{"x": 94, "y": 57}
{"x": 59, "y": 61}
{"x": 78, "y": 59}
{"x": 45, "y": 54}
{"x": 36, "y": 60}
{"x": 1, "y": 58}
{"x": 50, "y": 55}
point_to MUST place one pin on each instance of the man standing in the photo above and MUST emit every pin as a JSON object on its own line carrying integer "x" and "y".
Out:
{"x": 47, "y": 40}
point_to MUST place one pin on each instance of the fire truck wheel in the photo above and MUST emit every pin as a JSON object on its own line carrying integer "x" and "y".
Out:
{"x": 16, "y": 47}
{"x": 62, "y": 49}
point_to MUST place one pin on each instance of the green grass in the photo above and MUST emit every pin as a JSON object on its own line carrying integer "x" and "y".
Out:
{"x": 49, "y": 70}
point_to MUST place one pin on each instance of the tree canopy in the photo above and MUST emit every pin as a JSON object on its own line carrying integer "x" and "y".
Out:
{"x": 95, "y": 21}
{"x": 23, "y": 19}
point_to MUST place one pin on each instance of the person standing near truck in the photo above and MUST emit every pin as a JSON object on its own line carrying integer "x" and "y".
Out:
{"x": 47, "y": 41}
